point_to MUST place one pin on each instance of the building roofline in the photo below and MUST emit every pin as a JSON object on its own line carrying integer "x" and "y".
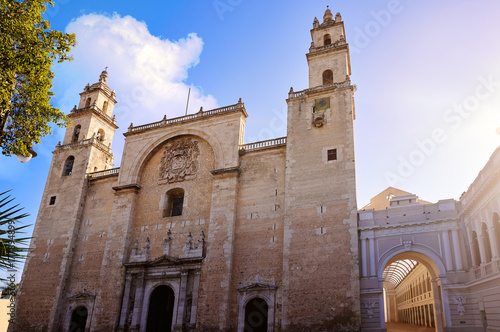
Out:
{"x": 239, "y": 107}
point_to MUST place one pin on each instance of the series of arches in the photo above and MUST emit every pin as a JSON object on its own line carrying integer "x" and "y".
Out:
{"x": 100, "y": 136}
{"x": 485, "y": 241}
{"x": 105, "y": 104}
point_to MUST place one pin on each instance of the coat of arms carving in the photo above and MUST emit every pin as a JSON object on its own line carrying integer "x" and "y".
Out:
{"x": 179, "y": 161}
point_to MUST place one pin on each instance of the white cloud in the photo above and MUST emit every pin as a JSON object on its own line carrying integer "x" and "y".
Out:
{"x": 147, "y": 72}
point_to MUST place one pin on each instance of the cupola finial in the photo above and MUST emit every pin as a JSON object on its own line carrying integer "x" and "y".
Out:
{"x": 104, "y": 75}
{"x": 328, "y": 15}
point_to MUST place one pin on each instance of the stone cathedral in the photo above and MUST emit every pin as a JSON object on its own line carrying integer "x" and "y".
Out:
{"x": 198, "y": 231}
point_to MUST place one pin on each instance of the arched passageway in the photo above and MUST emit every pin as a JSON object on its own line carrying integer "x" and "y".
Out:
{"x": 256, "y": 315}
{"x": 161, "y": 309}
{"x": 412, "y": 293}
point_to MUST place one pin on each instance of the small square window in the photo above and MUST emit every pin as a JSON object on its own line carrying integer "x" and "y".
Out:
{"x": 52, "y": 200}
{"x": 332, "y": 154}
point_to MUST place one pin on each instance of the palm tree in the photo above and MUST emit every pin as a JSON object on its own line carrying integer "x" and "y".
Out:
{"x": 12, "y": 249}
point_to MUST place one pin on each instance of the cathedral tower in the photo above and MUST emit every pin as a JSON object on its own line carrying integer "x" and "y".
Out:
{"x": 320, "y": 223}
{"x": 86, "y": 148}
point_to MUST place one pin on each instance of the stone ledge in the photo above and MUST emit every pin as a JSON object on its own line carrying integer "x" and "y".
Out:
{"x": 220, "y": 171}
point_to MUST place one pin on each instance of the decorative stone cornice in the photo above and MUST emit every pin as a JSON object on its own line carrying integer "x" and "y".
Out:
{"x": 409, "y": 228}
{"x": 338, "y": 45}
{"x": 133, "y": 186}
{"x": 227, "y": 170}
{"x": 321, "y": 88}
{"x": 239, "y": 107}
{"x": 165, "y": 260}
{"x": 95, "y": 110}
{"x": 82, "y": 296}
{"x": 257, "y": 286}
{"x": 89, "y": 141}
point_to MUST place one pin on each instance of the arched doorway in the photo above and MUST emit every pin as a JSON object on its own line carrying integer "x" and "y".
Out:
{"x": 256, "y": 314}
{"x": 161, "y": 309}
{"x": 412, "y": 293}
{"x": 78, "y": 319}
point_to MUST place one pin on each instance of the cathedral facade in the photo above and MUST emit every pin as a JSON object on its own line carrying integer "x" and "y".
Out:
{"x": 198, "y": 231}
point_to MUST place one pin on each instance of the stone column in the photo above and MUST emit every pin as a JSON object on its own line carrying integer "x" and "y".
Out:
{"x": 125, "y": 304}
{"x": 447, "y": 250}
{"x": 457, "y": 249}
{"x": 139, "y": 298}
{"x": 181, "y": 304}
{"x": 494, "y": 243}
{"x": 364, "y": 267}
{"x": 473, "y": 247}
{"x": 438, "y": 319}
{"x": 482, "y": 249}
{"x": 196, "y": 291}
{"x": 371, "y": 244}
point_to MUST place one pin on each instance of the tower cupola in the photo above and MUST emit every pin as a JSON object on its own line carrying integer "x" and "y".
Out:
{"x": 104, "y": 76}
{"x": 328, "y": 15}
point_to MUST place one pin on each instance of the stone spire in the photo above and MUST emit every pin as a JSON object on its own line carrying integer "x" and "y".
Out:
{"x": 328, "y": 15}
{"x": 316, "y": 23}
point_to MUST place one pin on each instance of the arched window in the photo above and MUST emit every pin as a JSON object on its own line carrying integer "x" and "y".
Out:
{"x": 76, "y": 134}
{"x": 78, "y": 319}
{"x": 476, "y": 257}
{"x": 327, "y": 77}
{"x": 87, "y": 103}
{"x": 68, "y": 166}
{"x": 256, "y": 315}
{"x": 327, "y": 40}
{"x": 175, "y": 202}
{"x": 485, "y": 238}
{"x": 105, "y": 106}
{"x": 100, "y": 135}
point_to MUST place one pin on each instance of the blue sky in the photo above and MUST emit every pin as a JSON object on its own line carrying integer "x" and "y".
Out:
{"x": 427, "y": 103}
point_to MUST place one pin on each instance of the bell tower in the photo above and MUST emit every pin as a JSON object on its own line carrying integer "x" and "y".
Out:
{"x": 94, "y": 120}
{"x": 328, "y": 56}
{"x": 320, "y": 222}
{"x": 86, "y": 148}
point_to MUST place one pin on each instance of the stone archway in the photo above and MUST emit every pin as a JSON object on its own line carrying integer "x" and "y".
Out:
{"x": 161, "y": 309}
{"x": 412, "y": 291}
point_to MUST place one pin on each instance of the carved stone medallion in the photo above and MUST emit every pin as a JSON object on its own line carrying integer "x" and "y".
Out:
{"x": 179, "y": 161}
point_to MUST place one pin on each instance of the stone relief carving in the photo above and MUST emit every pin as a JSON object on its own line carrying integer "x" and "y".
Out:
{"x": 370, "y": 309}
{"x": 179, "y": 161}
{"x": 408, "y": 244}
{"x": 460, "y": 302}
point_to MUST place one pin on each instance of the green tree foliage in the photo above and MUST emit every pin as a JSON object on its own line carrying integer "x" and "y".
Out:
{"x": 28, "y": 48}
{"x": 12, "y": 248}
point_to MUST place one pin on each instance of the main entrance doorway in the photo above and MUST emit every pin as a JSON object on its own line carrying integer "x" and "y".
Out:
{"x": 161, "y": 309}
{"x": 78, "y": 319}
{"x": 256, "y": 314}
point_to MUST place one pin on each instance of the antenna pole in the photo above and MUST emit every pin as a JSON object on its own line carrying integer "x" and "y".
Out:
{"x": 187, "y": 105}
